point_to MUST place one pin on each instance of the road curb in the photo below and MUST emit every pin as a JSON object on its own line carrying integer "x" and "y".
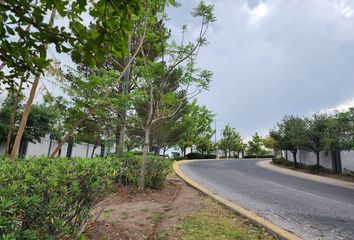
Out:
{"x": 321, "y": 179}
{"x": 274, "y": 229}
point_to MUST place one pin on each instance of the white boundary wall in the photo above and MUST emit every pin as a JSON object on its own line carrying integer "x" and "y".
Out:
{"x": 347, "y": 158}
{"x": 42, "y": 149}
{"x": 309, "y": 158}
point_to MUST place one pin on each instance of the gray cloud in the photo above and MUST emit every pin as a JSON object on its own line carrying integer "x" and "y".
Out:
{"x": 274, "y": 57}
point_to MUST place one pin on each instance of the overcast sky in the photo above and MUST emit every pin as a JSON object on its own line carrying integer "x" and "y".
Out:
{"x": 275, "y": 57}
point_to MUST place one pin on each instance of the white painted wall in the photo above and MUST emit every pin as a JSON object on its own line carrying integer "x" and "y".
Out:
{"x": 80, "y": 150}
{"x": 347, "y": 158}
{"x": 309, "y": 158}
{"x": 42, "y": 148}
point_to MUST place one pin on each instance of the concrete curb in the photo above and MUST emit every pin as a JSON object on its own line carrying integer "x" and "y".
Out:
{"x": 336, "y": 182}
{"x": 274, "y": 229}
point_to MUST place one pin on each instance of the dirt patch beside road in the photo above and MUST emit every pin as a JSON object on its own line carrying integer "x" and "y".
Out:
{"x": 127, "y": 214}
{"x": 177, "y": 211}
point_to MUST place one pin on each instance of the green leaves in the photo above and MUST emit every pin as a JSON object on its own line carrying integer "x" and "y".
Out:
{"x": 43, "y": 199}
{"x": 24, "y": 32}
{"x": 205, "y": 11}
{"x": 231, "y": 140}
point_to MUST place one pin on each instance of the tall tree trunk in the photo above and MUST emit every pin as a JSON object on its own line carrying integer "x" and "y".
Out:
{"x": 294, "y": 152}
{"x": 143, "y": 164}
{"x": 317, "y": 161}
{"x": 117, "y": 138}
{"x": 28, "y": 106}
{"x": 125, "y": 93}
{"x": 12, "y": 120}
{"x": 93, "y": 150}
{"x": 122, "y": 134}
{"x": 12, "y": 123}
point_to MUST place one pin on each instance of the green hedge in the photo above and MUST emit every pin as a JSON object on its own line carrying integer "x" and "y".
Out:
{"x": 42, "y": 198}
{"x": 190, "y": 156}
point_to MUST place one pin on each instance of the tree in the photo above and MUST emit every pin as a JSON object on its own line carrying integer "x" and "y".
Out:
{"x": 25, "y": 34}
{"x": 39, "y": 122}
{"x": 255, "y": 145}
{"x": 194, "y": 125}
{"x": 144, "y": 20}
{"x": 167, "y": 133}
{"x": 292, "y": 135}
{"x": 341, "y": 131}
{"x": 163, "y": 86}
{"x": 273, "y": 141}
{"x": 316, "y": 132}
{"x": 24, "y": 51}
{"x": 231, "y": 141}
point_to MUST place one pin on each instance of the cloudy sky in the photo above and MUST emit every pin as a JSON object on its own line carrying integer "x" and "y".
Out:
{"x": 274, "y": 57}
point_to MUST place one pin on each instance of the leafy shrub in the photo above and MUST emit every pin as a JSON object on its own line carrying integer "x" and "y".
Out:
{"x": 278, "y": 160}
{"x": 157, "y": 169}
{"x": 200, "y": 156}
{"x": 50, "y": 199}
{"x": 313, "y": 169}
{"x": 284, "y": 162}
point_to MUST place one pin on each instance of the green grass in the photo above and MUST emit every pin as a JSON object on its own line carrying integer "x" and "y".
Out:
{"x": 157, "y": 217}
{"x": 217, "y": 223}
{"x": 144, "y": 210}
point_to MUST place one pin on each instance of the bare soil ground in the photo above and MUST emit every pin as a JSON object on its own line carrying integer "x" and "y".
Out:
{"x": 163, "y": 214}
{"x": 128, "y": 214}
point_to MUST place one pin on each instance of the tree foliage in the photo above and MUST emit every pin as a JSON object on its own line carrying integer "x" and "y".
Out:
{"x": 24, "y": 33}
{"x": 231, "y": 141}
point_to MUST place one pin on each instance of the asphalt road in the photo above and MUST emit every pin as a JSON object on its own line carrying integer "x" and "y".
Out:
{"x": 312, "y": 210}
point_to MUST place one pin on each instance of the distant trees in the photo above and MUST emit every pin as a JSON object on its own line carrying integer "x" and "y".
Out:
{"x": 231, "y": 141}
{"x": 255, "y": 146}
{"x": 320, "y": 132}
{"x": 271, "y": 142}
{"x": 38, "y": 125}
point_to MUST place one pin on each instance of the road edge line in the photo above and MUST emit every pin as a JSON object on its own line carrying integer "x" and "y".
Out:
{"x": 271, "y": 227}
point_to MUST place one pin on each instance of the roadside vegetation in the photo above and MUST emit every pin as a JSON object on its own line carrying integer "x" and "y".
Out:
{"x": 331, "y": 133}
{"x": 52, "y": 199}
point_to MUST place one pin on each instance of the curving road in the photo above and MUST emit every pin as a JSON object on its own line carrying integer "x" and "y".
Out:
{"x": 312, "y": 210}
